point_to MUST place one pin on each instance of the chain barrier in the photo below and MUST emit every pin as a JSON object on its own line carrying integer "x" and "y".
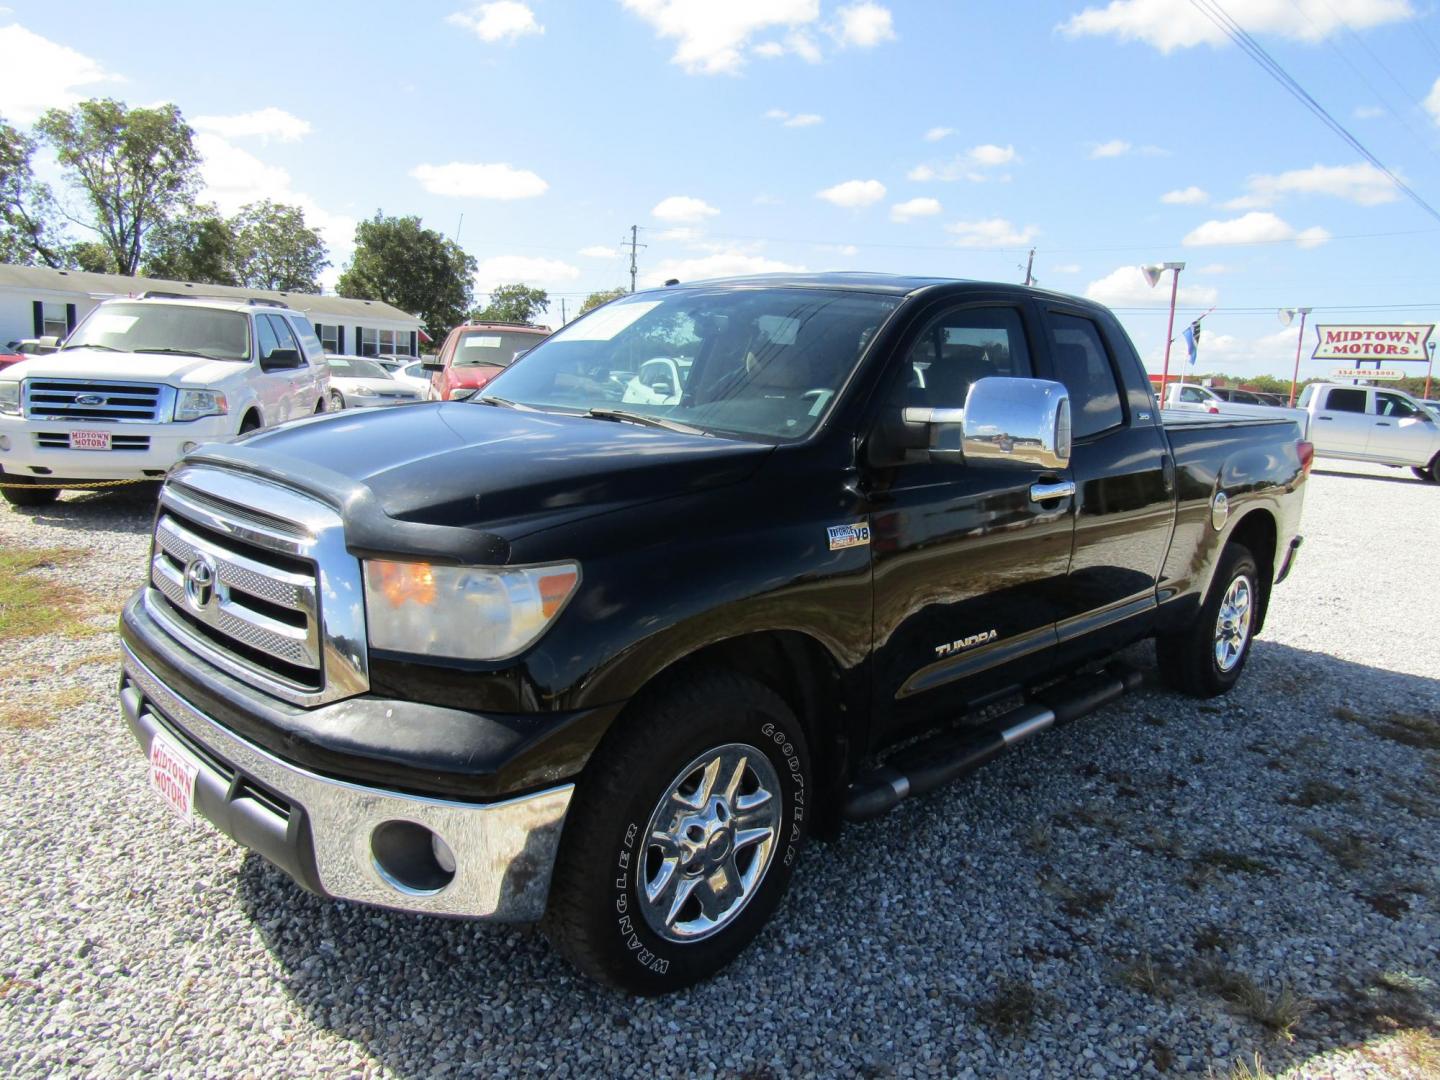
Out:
{"x": 82, "y": 485}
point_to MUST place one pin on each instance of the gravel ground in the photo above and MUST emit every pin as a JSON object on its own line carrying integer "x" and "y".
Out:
{"x": 1132, "y": 894}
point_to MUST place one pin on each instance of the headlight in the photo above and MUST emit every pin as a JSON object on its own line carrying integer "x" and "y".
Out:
{"x": 363, "y": 391}
{"x": 463, "y": 612}
{"x": 10, "y": 397}
{"x": 193, "y": 404}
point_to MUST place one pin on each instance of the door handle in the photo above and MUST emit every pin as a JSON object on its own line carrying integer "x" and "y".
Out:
{"x": 1382, "y": 423}
{"x": 1324, "y": 418}
{"x": 1058, "y": 490}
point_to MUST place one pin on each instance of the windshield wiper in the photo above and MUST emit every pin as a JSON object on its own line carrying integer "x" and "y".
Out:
{"x": 643, "y": 419}
{"x": 106, "y": 348}
{"x": 187, "y": 352}
{"x": 495, "y": 399}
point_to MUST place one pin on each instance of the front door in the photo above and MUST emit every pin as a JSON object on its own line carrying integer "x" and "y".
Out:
{"x": 1125, "y": 495}
{"x": 1399, "y": 430}
{"x": 969, "y": 568}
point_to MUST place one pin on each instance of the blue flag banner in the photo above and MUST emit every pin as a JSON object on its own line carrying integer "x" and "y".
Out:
{"x": 1192, "y": 340}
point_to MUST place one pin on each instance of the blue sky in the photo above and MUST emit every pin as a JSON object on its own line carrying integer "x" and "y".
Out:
{"x": 752, "y": 135}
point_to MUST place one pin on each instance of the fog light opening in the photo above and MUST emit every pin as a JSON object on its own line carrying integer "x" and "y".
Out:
{"x": 187, "y": 446}
{"x": 411, "y": 859}
{"x": 4, "y": 442}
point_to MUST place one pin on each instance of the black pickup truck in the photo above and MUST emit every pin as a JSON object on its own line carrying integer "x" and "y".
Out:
{"x": 605, "y": 644}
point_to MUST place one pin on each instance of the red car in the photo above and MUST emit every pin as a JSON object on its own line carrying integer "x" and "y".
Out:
{"x": 475, "y": 353}
{"x": 9, "y": 356}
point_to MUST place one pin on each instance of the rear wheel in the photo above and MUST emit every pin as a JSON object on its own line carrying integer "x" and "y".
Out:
{"x": 337, "y": 401}
{"x": 1206, "y": 659}
{"x": 24, "y": 495}
{"x": 1429, "y": 473}
{"x": 682, "y": 836}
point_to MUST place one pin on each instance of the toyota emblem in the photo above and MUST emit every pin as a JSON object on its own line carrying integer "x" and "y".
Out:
{"x": 199, "y": 582}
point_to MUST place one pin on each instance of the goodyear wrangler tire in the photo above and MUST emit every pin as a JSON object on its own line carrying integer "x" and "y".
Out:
{"x": 682, "y": 836}
{"x": 1206, "y": 659}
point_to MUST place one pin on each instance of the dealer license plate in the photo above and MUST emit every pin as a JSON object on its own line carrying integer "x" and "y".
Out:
{"x": 172, "y": 775}
{"x": 89, "y": 440}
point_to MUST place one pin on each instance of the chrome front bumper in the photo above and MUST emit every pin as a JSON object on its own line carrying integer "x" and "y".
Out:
{"x": 323, "y": 832}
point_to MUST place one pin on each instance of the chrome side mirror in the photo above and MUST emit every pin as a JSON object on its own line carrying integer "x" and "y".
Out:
{"x": 1005, "y": 422}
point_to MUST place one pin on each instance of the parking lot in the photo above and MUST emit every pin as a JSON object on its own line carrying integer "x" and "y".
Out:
{"x": 1164, "y": 888}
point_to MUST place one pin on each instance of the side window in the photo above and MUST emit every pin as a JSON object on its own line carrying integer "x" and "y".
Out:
{"x": 1396, "y": 406}
{"x": 309, "y": 340}
{"x": 1305, "y": 396}
{"x": 1345, "y": 399}
{"x": 265, "y": 334}
{"x": 958, "y": 349}
{"x": 1192, "y": 395}
{"x": 284, "y": 336}
{"x": 1083, "y": 365}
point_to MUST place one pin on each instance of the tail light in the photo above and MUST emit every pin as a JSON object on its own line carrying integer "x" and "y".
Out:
{"x": 1306, "y": 450}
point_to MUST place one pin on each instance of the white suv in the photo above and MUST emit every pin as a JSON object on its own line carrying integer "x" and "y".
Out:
{"x": 140, "y": 382}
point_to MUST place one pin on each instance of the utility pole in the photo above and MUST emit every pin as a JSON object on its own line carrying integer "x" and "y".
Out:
{"x": 634, "y": 244}
{"x": 1029, "y": 266}
{"x": 562, "y": 311}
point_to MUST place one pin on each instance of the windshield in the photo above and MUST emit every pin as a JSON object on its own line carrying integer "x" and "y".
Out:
{"x": 219, "y": 335}
{"x": 763, "y": 362}
{"x": 491, "y": 347}
{"x": 356, "y": 367}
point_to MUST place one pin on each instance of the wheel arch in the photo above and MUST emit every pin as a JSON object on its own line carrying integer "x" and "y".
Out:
{"x": 1258, "y": 531}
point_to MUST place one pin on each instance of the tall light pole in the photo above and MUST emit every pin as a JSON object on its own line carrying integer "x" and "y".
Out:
{"x": 1428, "y": 371}
{"x": 1286, "y": 315}
{"x": 1152, "y": 275}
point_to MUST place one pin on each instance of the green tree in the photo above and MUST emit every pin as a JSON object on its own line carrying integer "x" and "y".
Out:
{"x": 30, "y": 227}
{"x": 416, "y": 269}
{"x": 513, "y": 303}
{"x": 91, "y": 256}
{"x": 275, "y": 249}
{"x": 604, "y": 296}
{"x": 197, "y": 245}
{"x": 135, "y": 167}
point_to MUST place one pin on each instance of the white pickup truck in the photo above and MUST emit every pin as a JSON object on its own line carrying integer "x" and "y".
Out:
{"x": 141, "y": 382}
{"x": 1368, "y": 423}
{"x": 1191, "y": 397}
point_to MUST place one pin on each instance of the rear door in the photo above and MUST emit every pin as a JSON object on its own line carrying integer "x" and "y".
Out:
{"x": 1125, "y": 484}
{"x": 1399, "y": 430}
{"x": 1342, "y": 421}
{"x": 969, "y": 566}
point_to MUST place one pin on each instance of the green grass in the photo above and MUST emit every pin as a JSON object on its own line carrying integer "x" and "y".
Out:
{"x": 41, "y": 710}
{"x": 33, "y": 604}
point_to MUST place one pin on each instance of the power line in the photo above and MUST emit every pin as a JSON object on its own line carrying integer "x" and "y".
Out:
{"x": 1212, "y": 10}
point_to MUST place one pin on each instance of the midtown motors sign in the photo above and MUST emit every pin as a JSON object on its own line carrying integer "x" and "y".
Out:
{"x": 1405, "y": 342}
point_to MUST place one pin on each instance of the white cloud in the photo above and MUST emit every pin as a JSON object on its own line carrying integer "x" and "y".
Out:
{"x": 522, "y": 269}
{"x": 718, "y": 264}
{"x": 683, "y": 208}
{"x": 1432, "y": 102}
{"x": 1178, "y": 24}
{"x": 864, "y": 25}
{"x": 766, "y": 199}
{"x": 1113, "y": 148}
{"x": 266, "y": 124}
{"x": 769, "y": 50}
{"x": 1268, "y": 354}
{"x": 473, "y": 180}
{"x": 1190, "y": 196}
{"x": 793, "y": 120}
{"x": 853, "y": 194}
{"x": 1360, "y": 183}
{"x": 1256, "y": 227}
{"x": 1370, "y": 112}
{"x": 992, "y": 232}
{"x": 803, "y": 46}
{"x": 234, "y": 177}
{"x": 503, "y": 20}
{"x": 40, "y": 75}
{"x": 971, "y": 165}
{"x": 1126, "y": 286}
{"x": 914, "y": 208}
{"x": 712, "y": 38}
{"x": 599, "y": 251}
{"x": 935, "y": 134}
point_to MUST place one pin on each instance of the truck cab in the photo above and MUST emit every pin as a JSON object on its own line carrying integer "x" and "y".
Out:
{"x": 142, "y": 381}
{"x": 475, "y": 353}
{"x": 1373, "y": 423}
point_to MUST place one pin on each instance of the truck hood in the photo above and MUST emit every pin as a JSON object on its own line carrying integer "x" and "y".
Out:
{"x": 83, "y": 363}
{"x": 459, "y": 480}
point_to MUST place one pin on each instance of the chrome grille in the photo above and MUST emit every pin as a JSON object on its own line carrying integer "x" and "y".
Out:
{"x": 269, "y": 596}
{"x": 85, "y": 399}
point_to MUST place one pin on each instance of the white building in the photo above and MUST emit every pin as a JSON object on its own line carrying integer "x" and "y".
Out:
{"x": 36, "y": 301}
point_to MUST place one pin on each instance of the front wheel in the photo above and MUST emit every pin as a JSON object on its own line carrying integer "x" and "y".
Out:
{"x": 28, "y": 497}
{"x": 682, "y": 837}
{"x": 337, "y": 401}
{"x": 1206, "y": 659}
{"x": 1429, "y": 473}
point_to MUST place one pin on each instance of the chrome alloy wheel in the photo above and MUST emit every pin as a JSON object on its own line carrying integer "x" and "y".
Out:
{"x": 1232, "y": 625}
{"x": 709, "y": 842}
